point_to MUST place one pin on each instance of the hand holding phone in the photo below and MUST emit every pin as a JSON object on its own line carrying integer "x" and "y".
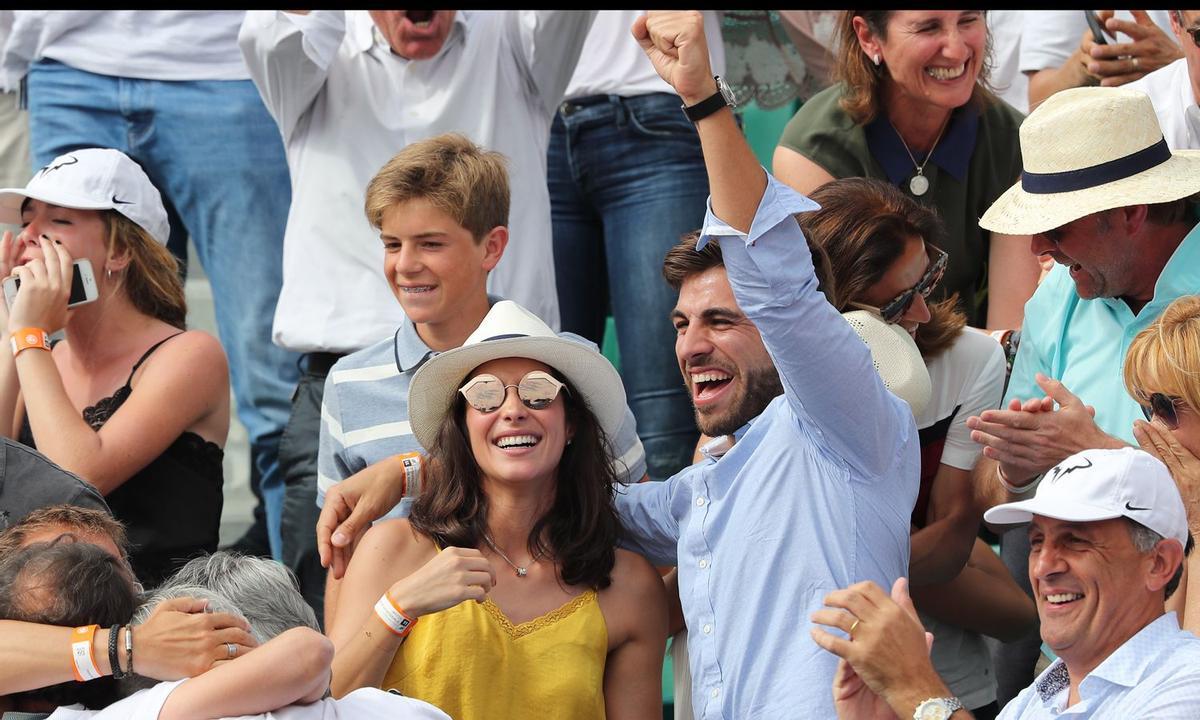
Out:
{"x": 1099, "y": 35}
{"x": 83, "y": 285}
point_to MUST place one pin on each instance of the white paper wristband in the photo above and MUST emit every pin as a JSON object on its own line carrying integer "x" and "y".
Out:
{"x": 396, "y": 619}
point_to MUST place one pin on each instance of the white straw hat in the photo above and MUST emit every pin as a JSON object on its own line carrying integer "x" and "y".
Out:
{"x": 1097, "y": 485}
{"x": 1086, "y": 150}
{"x": 896, "y": 358}
{"x": 510, "y": 330}
{"x": 93, "y": 179}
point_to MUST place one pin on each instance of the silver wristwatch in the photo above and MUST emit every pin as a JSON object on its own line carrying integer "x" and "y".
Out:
{"x": 937, "y": 708}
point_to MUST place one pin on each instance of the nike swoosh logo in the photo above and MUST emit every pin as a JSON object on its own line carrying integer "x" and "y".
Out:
{"x": 121, "y": 202}
{"x": 1131, "y": 507}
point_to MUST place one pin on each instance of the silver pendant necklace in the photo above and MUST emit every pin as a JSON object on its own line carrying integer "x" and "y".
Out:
{"x": 520, "y": 571}
{"x": 919, "y": 184}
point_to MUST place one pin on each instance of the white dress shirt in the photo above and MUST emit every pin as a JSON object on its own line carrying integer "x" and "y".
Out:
{"x": 346, "y": 104}
{"x": 1170, "y": 89}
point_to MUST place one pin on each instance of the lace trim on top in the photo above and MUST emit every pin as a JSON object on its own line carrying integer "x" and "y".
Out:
{"x": 98, "y": 414}
{"x": 531, "y": 626}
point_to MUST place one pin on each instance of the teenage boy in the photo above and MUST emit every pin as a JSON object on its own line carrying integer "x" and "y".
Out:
{"x": 441, "y": 206}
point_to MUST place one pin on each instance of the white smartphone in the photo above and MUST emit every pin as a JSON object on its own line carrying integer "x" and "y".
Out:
{"x": 83, "y": 285}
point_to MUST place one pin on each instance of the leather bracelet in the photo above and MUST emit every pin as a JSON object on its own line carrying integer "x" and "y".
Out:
{"x": 1015, "y": 490}
{"x": 114, "y": 657}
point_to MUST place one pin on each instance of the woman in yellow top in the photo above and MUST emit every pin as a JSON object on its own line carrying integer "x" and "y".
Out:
{"x": 503, "y": 594}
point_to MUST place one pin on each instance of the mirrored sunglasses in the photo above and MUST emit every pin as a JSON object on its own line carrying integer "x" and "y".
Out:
{"x": 895, "y": 308}
{"x": 1163, "y": 407}
{"x": 485, "y": 392}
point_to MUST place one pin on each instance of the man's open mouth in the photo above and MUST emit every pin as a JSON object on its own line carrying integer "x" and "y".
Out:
{"x": 419, "y": 17}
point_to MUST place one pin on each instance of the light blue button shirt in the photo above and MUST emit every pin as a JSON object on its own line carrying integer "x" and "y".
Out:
{"x": 814, "y": 496}
{"x": 1083, "y": 342}
{"x": 1154, "y": 674}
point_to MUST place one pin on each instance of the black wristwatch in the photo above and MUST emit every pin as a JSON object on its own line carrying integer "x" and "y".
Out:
{"x": 722, "y": 97}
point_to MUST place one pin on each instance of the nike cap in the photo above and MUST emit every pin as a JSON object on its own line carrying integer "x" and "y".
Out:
{"x": 1101, "y": 485}
{"x": 93, "y": 179}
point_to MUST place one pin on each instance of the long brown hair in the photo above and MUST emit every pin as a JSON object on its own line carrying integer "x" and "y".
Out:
{"x": 579, "y": 531}
{"x": 863, "y": 80}
{"x": 151, "y": 279}
{"x": 863, "y": 226}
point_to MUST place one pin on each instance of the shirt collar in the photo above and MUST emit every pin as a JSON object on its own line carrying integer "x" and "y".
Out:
{"x": 716, "y": 447}
{"x": 1180, "y": 275}
{"x": 364, "y": 35}
{"x": 410, "y": 350}
{"x": 952, "y": 154}
{"x": 1126, "y": 666}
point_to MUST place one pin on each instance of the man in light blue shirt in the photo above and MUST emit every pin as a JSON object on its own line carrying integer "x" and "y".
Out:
{"x": 815, "y": 487}
{"x": 1108, "y": 530}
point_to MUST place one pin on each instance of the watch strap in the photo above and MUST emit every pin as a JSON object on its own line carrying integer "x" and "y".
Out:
{"x": 709, "y": 105}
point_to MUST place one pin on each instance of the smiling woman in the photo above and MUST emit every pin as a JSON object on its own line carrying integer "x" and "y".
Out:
{"x": 912, "y": 107}
{"x": 516, "y": 516}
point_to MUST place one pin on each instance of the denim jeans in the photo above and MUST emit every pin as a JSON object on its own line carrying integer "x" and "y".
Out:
{"x": 627, "y": 179}
{"x": 215, "y": 154}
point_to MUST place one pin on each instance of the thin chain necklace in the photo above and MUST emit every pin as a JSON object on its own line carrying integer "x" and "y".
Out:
{"x": 521, "y": 571}
{"x": 919, "y": 184}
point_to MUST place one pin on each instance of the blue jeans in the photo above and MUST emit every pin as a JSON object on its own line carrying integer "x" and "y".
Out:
{"x": 627, "y": 179}
{"x": 214, "y": 152}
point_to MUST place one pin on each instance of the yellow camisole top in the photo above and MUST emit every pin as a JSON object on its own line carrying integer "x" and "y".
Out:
{"x": 474, "y": 664}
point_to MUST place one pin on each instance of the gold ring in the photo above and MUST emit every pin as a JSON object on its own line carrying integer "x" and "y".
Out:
{"x": 851, "y": 631}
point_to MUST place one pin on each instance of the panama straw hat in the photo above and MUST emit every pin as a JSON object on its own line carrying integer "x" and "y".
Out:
{"x": 1086, "y": 150}
{"x": 509, "y": 330}
{"x": 896, "y": 358}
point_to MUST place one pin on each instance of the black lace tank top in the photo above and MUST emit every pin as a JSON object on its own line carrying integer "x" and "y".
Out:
{"x": 171, "y": 507}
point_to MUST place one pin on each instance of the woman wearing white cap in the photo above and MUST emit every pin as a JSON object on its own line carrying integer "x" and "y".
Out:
{"x": 883, "y": 256}
{"x": 503, "y": 595}
{"x": 129, "y": 400}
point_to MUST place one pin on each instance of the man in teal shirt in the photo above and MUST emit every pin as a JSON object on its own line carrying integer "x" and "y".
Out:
{"x": 1105, "y": 198}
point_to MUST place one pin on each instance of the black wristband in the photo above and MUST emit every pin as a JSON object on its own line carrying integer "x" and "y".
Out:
{"x": 113, "y": 661}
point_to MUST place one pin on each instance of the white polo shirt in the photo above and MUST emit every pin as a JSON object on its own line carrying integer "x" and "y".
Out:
{"x": 346, "y": 104}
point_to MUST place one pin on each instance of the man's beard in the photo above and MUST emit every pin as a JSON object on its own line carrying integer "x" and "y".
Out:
{"x": 760, "y": 386}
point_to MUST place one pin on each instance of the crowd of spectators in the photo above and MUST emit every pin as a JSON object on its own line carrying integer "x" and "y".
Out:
{"x": 927, "y": 445}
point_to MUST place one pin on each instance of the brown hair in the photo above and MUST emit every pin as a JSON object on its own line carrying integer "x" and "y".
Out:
{"x": 1165, "y": 356}
{"x": 67, "y": 583}
{"x": 862, "y": 91}
{"x": 151, "y": 279}
{"x": 70, "y": 519}
{"x": 683, "y": 261}
{"x": 460, "y": 178}
{"x": 581, "y": 529}
{"x": 1173, "y": 212}
{"x": 863, "y": 225}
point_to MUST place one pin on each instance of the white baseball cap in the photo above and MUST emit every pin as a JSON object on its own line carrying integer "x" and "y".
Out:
{"x": 1101, "y": 485}
{"x": 93, "y": 179}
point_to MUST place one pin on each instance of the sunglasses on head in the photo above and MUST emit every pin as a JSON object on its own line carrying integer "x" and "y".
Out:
{"x": 485, "y": 392}
{"x": 1163, "y": 407}
{"x": 895, "y": 308}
